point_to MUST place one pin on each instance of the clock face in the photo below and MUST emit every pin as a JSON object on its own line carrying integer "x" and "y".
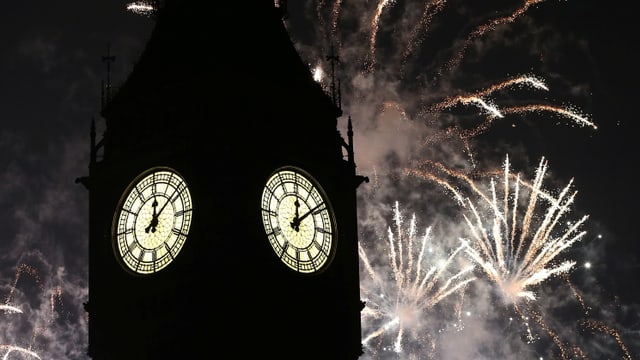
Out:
{"x": 152, "y": 221}
{"x": 298, "y": 220}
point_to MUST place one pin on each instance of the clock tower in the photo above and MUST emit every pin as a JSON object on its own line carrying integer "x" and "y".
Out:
{"x": 222, "y": 198}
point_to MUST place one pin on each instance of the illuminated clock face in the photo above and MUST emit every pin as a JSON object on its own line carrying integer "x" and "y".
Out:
{"x": 298, "y": 220}
{"x": 152, "y": 221}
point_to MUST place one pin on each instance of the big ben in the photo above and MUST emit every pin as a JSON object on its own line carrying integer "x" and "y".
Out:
{"x": 222, "y": 198}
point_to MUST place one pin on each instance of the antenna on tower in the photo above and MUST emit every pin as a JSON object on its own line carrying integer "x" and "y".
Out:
{"x": 281, "y": 6}
{"x": 106, "y": 88}
{"x": 335, "y": 89}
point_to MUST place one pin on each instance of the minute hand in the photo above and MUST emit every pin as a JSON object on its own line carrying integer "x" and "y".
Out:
{"x": 309, "y": 212}
{"x": 168, "y": 201}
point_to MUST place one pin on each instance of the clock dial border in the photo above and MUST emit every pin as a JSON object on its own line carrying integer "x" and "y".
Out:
{"x": 152, "y": 221}
{"x": 303, "y": 235}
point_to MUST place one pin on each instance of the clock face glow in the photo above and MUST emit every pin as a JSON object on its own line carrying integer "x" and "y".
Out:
{"x": 298, "y": 220}
{"x": 152, "y": 221}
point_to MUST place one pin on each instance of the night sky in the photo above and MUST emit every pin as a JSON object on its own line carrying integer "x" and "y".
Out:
{"x": 585, "y": 51}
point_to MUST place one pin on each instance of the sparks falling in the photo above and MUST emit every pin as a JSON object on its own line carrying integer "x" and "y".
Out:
{"x": 398, "y": 55}
{"x": 517, "y": 236}
{"x": 413, "y": 97}
{"x": 374, "y": 30}
{"x": 9, "y": 351}
{"x": 481, "y": 100}
{"x": 10, "y": 309}
{"x": 16, "y": 349}
{"x": 395, "y": 314}
{"x": 514, "y": 251}
{"x": 489, "y": 26}
{"x": 516, "y": 248}
{"x": 146, "y": 8}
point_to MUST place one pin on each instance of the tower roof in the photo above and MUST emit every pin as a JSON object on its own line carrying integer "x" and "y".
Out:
{"x": 229, "y": 49}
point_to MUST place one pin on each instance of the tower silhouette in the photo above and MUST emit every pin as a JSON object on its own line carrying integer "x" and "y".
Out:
{"x": 222, "y": 198}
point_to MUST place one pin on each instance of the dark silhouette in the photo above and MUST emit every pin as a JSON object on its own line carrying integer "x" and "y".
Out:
{"x": 205, "y": 102}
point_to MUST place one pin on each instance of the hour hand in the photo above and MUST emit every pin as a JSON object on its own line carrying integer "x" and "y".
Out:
{"x": 295, "y": 223}
{"x": 154, "y": 218}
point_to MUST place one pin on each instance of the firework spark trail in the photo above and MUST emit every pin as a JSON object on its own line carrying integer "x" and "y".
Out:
{"x": 577, "y": 294}
{"x": 483, "y": 29}
{"x": 142, "y": 7}
{"x": 530, "y": 80}
{"x": 371, "y": 59}
{"x": 420, "y": 30}
{"x": 567, "y": 112}
{"x": 381, "y": 321}
{"x": 367, "y": 59}
{"x": 539, "y": 319}
{"x": 23, "y": 269}
{"x": 54, "y": 300}
{"x": 433, "y": 175}
{"x": 579, "y": 352}
{"x": 335, "y": 15}
{"x": 505, "y": 246}
{"x": 522, "y": 80}
{"x": 598, "y": 325}
{"x": 393, "y": 308}
{"x": 438, "y": 172}
{"x": 12, "y": 348}
{"x": 504, "y": 242}
{"x": 490, "y": 108}
{"x": 320, "y": 18}
{"x": 333, "y": 28}
{"x": 494, "y": 112}
{"x": 10, "y": 309}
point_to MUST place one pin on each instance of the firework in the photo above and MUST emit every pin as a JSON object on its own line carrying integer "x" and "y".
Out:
{"x": 371, "y": 21}
{"x": 10, "y": 309}
{"x": 7, "y": 308}
{"x": 146, "y": 8}
{"x": 514, "y": 252}
{"x": 492, "y": 111}
{"x": 517, "y": 236}
{"x": 515, "y": 247}
{"x": 11, "y": 348}
{"x": 488, "y": 27}
{"x": 42, "y": 325}
{"x": 602, "y": 327}
{"x": 399, "y": 292}
{"x": 8, "y": 349}
{"x": 370, "y": 63}
{"x": 417, "y": 89}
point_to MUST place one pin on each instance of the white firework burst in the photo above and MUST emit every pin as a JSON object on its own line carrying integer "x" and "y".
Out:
{"x": 514, "y": 247}
{"x": 399, "y": 291}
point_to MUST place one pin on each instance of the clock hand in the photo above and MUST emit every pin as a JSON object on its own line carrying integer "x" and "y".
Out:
{"x": 309, "y": 212}
{"x": 165, "y": 204}
{"x": 154, "y": 218}
{"x": 295, "y": 223}
{"x": 297, "y": 220}
{"x": 168, "y": 201}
